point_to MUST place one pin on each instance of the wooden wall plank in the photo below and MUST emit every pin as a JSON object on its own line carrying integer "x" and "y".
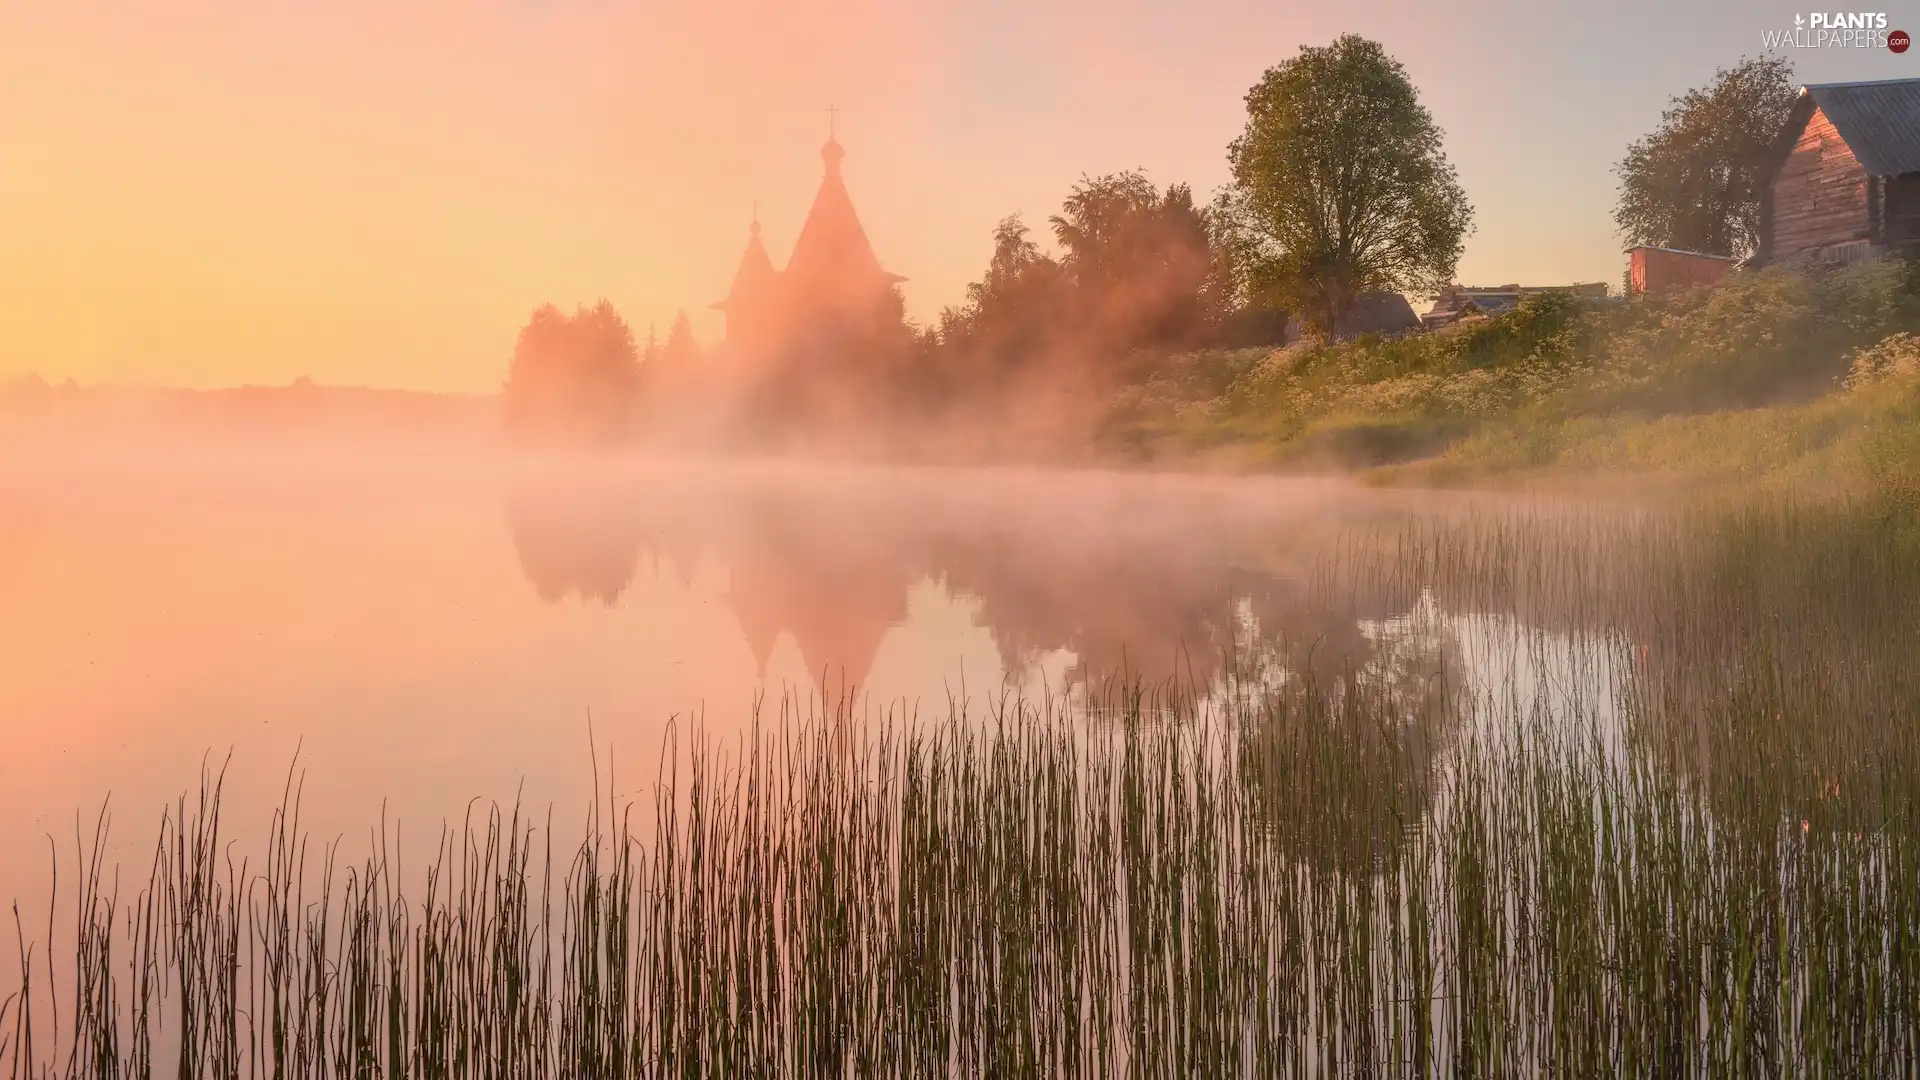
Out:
{"x": 1819, "y": 194}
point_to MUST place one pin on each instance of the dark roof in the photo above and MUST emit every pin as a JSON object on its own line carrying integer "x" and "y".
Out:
{"x": 1491, "y": 303}
{"x": 1453, "y": 300}
{"x": 1879, "y": 120}
{"x": 1379, "y": 312}
{"x": 1452, "y": 305}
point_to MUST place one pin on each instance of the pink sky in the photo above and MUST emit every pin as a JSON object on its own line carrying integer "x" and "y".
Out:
{"x": 212, "y": 192}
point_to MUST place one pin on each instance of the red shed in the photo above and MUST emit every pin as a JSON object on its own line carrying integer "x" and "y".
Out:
{"x": 1662, "y": 271}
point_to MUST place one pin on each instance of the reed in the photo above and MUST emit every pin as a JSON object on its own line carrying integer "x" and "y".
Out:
{"x": 1679, "y": 842}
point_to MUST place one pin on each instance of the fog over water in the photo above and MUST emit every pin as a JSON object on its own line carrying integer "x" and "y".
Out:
{"x": 418, "y": 630}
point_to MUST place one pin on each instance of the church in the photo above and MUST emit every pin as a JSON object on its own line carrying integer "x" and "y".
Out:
{"x": 832, "y": 316}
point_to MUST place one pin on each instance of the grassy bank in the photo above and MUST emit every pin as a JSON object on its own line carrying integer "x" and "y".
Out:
{"x": 1627, "y": 797}
{"x": 1778, "y": 377}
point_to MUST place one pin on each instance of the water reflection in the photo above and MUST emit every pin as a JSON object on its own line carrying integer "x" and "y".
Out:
{"x": 475, "y": 626}
{"x": 1389, "y": 720}
{"x": 1183, "y": 599}
{"x": 1155, "y": 600}
{"x": 415, "y": 649}
{"x": 570, "y": 546}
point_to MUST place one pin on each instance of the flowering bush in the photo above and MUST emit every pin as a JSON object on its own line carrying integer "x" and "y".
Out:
{"x": 1770, "y": 336}
{"x": 1894, "y": 357}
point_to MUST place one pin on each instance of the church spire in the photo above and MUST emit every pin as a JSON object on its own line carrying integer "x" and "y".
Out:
{"x": 749, "y": 301}
{"x": 832, "y": 252}
{"x": 832, "y": 154}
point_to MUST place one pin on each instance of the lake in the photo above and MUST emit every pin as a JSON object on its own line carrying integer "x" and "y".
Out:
{"x": 418, "y": 630}
{"x": 1409, "y": 777}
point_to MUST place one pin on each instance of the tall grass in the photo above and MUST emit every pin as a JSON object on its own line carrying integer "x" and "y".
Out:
{"x": 1685, "y": 849}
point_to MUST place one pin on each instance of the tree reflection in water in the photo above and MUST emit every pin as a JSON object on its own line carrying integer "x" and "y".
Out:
{"x": 1343, "y": 760}
{"x": 1345, "y": 677}
{"x": 1155, "y": 601}
{"x": 569, "y": 544}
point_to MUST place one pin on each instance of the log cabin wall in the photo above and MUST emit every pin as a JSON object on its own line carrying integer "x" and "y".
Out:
{"x": 1901, "y": 210}
{"x": 1819, "y": 196}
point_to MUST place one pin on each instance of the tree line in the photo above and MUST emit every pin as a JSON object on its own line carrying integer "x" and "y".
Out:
{"x": 1340, "y": 187}
{"x": 578, "y": 379}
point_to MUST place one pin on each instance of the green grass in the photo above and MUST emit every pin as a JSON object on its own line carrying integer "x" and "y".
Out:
{"x": 1679, "y": 841}
{"x": 1855, "y": 443}
{"x": 1760, "y": 375}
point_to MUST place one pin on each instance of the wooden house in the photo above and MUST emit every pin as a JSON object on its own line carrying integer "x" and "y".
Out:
{"x": 1379, "y": 312}
{"x": 1658, "y": 271}
{"x": 1456, "y": 302}
{"x": 1843, "y": 181}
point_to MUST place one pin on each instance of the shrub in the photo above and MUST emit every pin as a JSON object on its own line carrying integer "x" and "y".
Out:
{"x": 1894, "y": 357}
{"x": 1777, "y": 334}
{"x": 1773, "y": 336}
{"x": 1358, "y": 443}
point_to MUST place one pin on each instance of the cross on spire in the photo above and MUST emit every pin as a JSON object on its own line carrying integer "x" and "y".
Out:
{"x": 831, "y": 110}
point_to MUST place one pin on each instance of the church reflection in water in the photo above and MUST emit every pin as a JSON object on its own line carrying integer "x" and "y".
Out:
{"x": 1146, "y": 592}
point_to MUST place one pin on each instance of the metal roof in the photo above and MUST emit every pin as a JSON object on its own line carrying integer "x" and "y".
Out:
{"x": 1879, "y": 120}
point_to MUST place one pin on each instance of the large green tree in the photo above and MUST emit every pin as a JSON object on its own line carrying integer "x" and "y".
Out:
{"x": 1694, "y": 181}
{"x": 1139, "y": 269}
{"x": 1340, "y": 185}
{"x": 1135, "y": 269}
{"x": 1015, "y": 305}
{"x": 1016, "y": 312}
{"x": 1138, "y": 259}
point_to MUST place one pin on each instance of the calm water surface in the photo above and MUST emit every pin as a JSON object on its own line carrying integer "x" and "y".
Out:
{"x": 418, "y": 632}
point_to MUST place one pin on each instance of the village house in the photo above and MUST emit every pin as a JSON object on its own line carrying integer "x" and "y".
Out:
{"x": 1843, "y": 182}
{"x": 1456, "y": 302}
{"x": 1378, "y": 312}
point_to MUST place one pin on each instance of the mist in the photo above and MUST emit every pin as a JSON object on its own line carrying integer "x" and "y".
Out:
{"x": 415, "y": 613}
{"x": 969, "y": 510}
